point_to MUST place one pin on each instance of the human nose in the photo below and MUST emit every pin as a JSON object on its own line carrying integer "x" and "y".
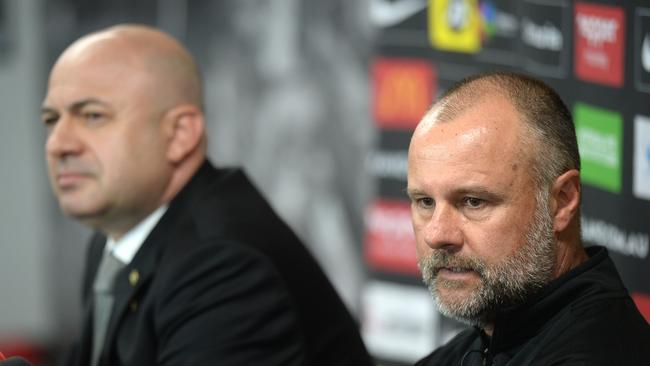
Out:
{"x": 442, "y": 230}
{"x": 63, "y": 139}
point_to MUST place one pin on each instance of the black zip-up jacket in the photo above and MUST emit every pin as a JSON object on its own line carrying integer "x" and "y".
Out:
{"x": 585, "y": 317}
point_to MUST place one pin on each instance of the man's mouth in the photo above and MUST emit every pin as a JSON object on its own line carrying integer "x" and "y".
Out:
{"x": 70, "y": 179}
{"x": 457, "y": 269}
{"x": 456, "y": 272}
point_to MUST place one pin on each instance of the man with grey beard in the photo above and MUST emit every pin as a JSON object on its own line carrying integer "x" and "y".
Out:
{"x": 494, "y": 183}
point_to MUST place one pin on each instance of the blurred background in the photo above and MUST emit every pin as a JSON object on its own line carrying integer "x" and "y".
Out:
{"x": 317, "y": 100}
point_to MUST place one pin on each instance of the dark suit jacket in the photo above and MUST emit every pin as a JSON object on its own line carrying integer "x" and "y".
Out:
{"x": 221, "y": 280}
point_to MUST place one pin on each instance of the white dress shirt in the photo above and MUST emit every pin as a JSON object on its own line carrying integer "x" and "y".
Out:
{"x": 125, "y": 248}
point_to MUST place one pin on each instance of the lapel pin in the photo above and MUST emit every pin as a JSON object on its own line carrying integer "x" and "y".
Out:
{"x": 134, "y": 277}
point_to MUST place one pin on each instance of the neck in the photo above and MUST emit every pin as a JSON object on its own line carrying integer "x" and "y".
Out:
{"x": 116, "y": 228}
{"x": 182, "y": 174}
{"x": 570, "y": 252}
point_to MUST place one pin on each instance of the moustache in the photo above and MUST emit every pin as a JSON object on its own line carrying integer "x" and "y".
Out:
{"x": 68, "y": 165}
{"x": 439, "y": 259}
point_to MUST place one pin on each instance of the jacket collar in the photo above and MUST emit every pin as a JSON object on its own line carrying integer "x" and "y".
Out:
{"x": 514, "y": 325}
{"x": 137, "y": 275}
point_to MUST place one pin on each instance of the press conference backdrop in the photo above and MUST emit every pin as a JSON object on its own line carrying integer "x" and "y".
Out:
{"x": 596, "y": 54}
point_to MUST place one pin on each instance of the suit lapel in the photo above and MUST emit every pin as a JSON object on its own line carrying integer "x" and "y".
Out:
{"x": 135, "y": 277}
{"x": 130, "y": 281}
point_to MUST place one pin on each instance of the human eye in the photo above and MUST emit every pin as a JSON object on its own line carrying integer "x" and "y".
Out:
{"x": 424, "y": 202}
{"x": 473, "y": 202}
{"x": 49, "y": 119}
{"x": 420, "y": 200}
{"x": 93, "y": 116}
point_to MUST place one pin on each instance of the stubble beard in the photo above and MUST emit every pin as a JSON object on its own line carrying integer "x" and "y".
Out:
{"x": 507, "y": 283}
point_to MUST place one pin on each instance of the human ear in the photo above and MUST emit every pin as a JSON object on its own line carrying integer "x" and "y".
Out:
{"x": 565, "y": 195}
{"x": 185, "y": 131}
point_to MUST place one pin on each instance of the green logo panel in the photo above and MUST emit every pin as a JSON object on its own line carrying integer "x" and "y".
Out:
{"x": 600, "y": 141}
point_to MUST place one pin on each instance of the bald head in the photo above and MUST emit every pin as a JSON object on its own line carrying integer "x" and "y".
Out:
{"x": 549, "y": 134}
{"x": 173, "y": 75}
{"x": 124, "y": 112}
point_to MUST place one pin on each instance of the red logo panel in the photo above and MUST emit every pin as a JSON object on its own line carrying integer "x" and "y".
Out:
{"x": 390, "y": 242}
{"x": 599, "y": 43}
{"x": 403, "y": 91}
{"x": 642, "y": 302}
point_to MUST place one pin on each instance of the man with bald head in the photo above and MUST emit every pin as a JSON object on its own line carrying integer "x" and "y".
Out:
{"x": 189, "y": 265}
{"x": 494, "y": 183}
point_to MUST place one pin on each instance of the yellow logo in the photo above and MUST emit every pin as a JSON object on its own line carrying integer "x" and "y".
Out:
{"x": 455, "y": 25}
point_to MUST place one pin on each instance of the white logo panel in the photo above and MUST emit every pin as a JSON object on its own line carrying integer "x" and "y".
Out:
{"x": 399, "y": 322}
{"x": 641, "y": 182}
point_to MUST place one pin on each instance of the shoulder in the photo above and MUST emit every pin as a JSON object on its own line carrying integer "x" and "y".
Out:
{"x": 217, "y": 260}
{"x": 233, "y": 214}
{"x": 228, "y": 287}
{"x": 605, "y": 331}
{"x": 222, "y": 274}
{"x": 226, "y": 203}
{"x": 616, "y": 314}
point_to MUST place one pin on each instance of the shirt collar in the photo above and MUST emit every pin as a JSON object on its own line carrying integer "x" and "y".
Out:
{"x": 125, "y": 248}
{"x": 517, "y": 323}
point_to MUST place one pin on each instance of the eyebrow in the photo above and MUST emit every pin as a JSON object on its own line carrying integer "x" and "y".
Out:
{"x": 414, "y": 192}
{"x": 474, "y": 189}
{"x": 482, "y": 191}
{"x": 76, "y": 106}
{"x": 479, "y": 190}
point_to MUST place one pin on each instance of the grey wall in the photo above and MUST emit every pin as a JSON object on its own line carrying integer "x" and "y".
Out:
{"x": 25, "y": 248}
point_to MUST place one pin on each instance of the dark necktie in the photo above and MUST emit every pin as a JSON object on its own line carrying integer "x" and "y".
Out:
{"x": 103, "y": 292}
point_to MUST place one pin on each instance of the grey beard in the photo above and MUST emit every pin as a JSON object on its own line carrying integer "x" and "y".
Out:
{"x": 507, "y": 283}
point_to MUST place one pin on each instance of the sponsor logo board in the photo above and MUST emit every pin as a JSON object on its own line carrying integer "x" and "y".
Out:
{"x": 398, "y": 322}
{"x": 403, "y": 90}
{"x": 391, "y": 164}
{"x": 600, "y": 141}
{"x": 388, "y": 13}
{"x": 642, "y": 302}
{"x": 642, "y": 49}
{"x": 455, "y": 25}
{"x": 390, "y": 242}
{"x": 545, "y": 32}
{"x": 618, "y": 240}
{"x": 599, "y": 43}
{"x": 499, "y": 31}
{"x": 641, "y": 175}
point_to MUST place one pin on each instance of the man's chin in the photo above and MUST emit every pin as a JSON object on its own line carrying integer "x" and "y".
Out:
{"x": 454, "y": 298}
{"x": 82, "y": 212}
{"x": 464, "y": 314}
{"x": 463, "y": 285}
{"x": 461, "y": 301}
